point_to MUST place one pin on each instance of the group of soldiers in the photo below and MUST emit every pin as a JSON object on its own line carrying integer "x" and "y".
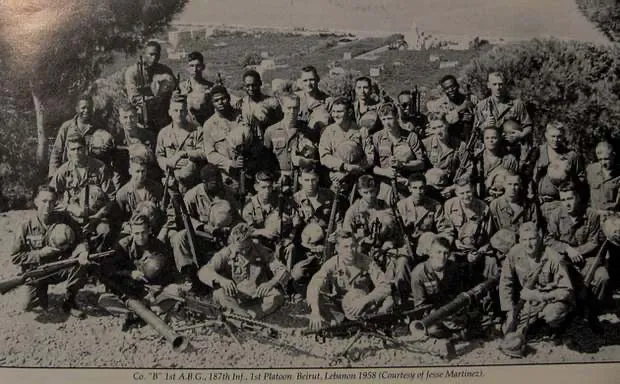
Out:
{"x": 355, "y": 204}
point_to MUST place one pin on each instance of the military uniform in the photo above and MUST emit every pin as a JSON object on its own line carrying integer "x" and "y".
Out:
{"x": 470, "y": 223}
{"x": 517, "y": 270}
{"x": 329, "y": 285}
{"x": 507, "y": 215}
{"x": 70, "y": 179}
{"x": 366, "y": 116}
{"x": 441, "y": 155}
{"x": 360, "y": 212}
{"x": 513, "y": 109}
{"x": 308, "y": 103}
{"x": 427, "y": 216}
{"x": 131, "y": 257}
{"x": 248, "y": 271}
{"x": 315, "y": 208}
{"x": 128, "y": 197}
{"x": 30, "y": 238}
{"x": 171, "y": 140}
{"x": 255, "y": 212}
{"x": 284, "y": 141}
{"x": 603, "y": 187}
{"x": 546, "y": 155}
{"x": 459, "y": 126}
{"x": 429, "y": 288}
{"x": 199, "y": 100}
{"x": 58, "y": 154}
{"x": 249, "y": 107}
{"x": 487, "y": 168}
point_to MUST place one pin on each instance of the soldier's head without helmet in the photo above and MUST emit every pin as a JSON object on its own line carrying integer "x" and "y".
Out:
{"x": 437, "y": 125}
{"x": 178, "y": 109}
{"x": 367, "y": 187}
{"x": 346, "y": 246}
{"x": 152, "y": 53}
{"x": 264, "y": 184}
{"x": 290, "y": 106}
{"x": 240, "y": 238}
{"x": 512, "y": 186}
{"x": 341, "y": 110}
{"x": 309, "y": 178}
{"x": 416, "y": 182}
{"x": 605, "y": 155}
{"x": 388, "y": 114}
{"x": 309, "y": 78}
{"x": 220, "y": 98}
{"x": 138, "y": 168}
{"x": 221, "y": 214}
{"x": 464, "y": 190}
{"x": 555, "y": 132}
{"x": 530, "y": 238}
{"x": 510, "y": 128}
{"x": 570, "y": 197}
{"x": 363, "y": 88}
{"x": 45, "y": 200}
{"x": 496, "y": 84}
{"x": 450, "y": 86}
{"x": 252, "y": 82}
{"x": 404, "y": 101}
{"x": 211, "y": 178}
{"x": 492, "y": 138}
{"x": 76, "y": 148}
{"x": 84, "y": 107}
{"x": 195, "y": 64}
{"x": 140, "y": 228}
{"x": 438, "y": 253}
{"x": 128, "y": 116}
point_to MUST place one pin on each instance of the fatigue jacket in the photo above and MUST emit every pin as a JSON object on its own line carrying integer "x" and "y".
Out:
{"x": 485, "y": 167}
{"x": 70, "y": 179}
{"x": 518, "y": 268}
{"x": 469, "y": 221}
{"x": 603, "y": 189}
{"x": 583, "y": 232}
{"x": 336, "y": 277}
{"x": 32, "y": 235}
{"x": 69, "y": 128}
{"x": 513, "y": 109}
{"x": 216, "y": 130}
{"x": 254, "y": 212}
{"x": 333, "y": 136}
{"x": 138, "y": 136}
{"x": 544, "y": 157}
{"x": 199, "y": 100}
{"x": 318, "y": 209}
{"x": 360, "y": 212}
{"x": 367, "y": 117}
{"x": 132, "y": 80}
{"x": 385, "y": 145}
{"x": 458, "y": 125}
{"x": 130, "y": 257}
{"x": 442, "y": 156}
{"x": 171, "y": 140}
{"x": 308, "y": 103}
{"x": 258, "y": 265}
{"x": 199, "y": 204}
{"x": 283, "y": 142}
{"x": 505, "y": 216}
{"x": 128, "y": 198}
{"x": 248, "y": 108}
{"x": 427, "y": 216}
{"x": 428, "y": 288}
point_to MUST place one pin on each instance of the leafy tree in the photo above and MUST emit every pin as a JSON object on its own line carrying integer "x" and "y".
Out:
{"x": 605, "y": 14}
{"x": 56, "y": 48}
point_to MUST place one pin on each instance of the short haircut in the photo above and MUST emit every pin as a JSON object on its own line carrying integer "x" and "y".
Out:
{"x": 127, "y": 107}
{"x": 528, "y": 227}
{"x": 342, "y": 101}
{"x": 437, "y": 116}
{"x": 344, "y": 234}
{"x": 138, "y": 160}
{"x": 311, "y": 68}
{"x": 252, "y": 73}
{"x": 196, "y": 56}
{"x": 76, "y": 139}
{"x": 139, "y": 219}
{"x": 289, "y": 96}
{"x": 209, "y": 172}
{"x": 416, "y": 176}
{"x": 512, "y": 174}
{"x": 555, "y": 125}
{"x": 363, "y": 78}
{"x": 568, "y": 186}
{"x": 406, "y": 92}
{"x": 463, "y": 182}
{"x": 366, "y": 182}
{"x": 219, "y": 90}
{"x": 154, "y": 44}
{"x": 310, "y": 168}
{"x": 491, "y": 128}
{"x": 178, "y": 98}
{"x": 45, "y": 188}
{"x": 239, "y": 233}
{"x": 497, "y": 74}
{"x": 446, "y": 78}
{"x": 388, "y": 109}
{"x": 441, "y": 241}
{"x": 84, "y": 97}
{"x": 265, "y": 176}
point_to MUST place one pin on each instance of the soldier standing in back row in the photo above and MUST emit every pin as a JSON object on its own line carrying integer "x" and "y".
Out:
{"x": 312, "y": 99}
{"x": 197, "y": 89}
{"x": 258, "y": 110}
{"x": 458, "y": 107}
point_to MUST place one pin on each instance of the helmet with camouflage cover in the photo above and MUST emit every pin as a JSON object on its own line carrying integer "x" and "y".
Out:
{"x": 185, "y": 169}
{"x": 313, "y": 237}
{"x": 368, "y": 120}
{"x": 152, "y": 211}
{"x": 319, "y": 118}
{"x": 61, "y": 236}
{"x": 348, "y": 302}
{"x": 101, "y": 142}
{"x": 403, "y": 153}
{"x": 350, "y": 152}
{"x": 221, "y": 214}
{"x": 424, "y": 243}
{"x": 154, "y": 266}
{"x": 611, "y": 229}
{"x": 239, "y": 233}
{"x": 141, "y": 150}
{"x": 503, "y": 240}
{"x": 437, "y": 177}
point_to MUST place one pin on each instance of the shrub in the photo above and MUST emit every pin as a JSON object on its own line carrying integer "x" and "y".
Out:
{"x": 251, "y": 59}
{"x": 605, "y": 14}
{"x": 573, "y": 82}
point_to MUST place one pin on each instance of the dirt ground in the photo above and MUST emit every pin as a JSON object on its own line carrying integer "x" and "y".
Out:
{"x": 53, "y": 340}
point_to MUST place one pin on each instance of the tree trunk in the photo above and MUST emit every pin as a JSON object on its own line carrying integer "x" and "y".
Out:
{"x": 41, "y": 138}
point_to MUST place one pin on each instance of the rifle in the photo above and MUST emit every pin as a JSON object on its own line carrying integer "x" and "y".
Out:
{"x": 219, "y": 80}
{"x": 465, "y": 153}
{"x": 218, "y": 316}
{"x": 329, "y": 247}
{"x": 45, "y": 271}
{"x": 179, "y": 343}
{"x": 529, "y": 284}
{"x": 401, "y": 223}
{"x": 142, "y": 81}
{"x": 181, "y": 209}
{"x": 461, "y": 301}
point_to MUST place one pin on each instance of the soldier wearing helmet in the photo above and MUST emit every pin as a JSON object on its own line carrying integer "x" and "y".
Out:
{"x": 397, "y": 153}
{"x": 349, "y": 285}
{"x": 46, "y": 236}
{"x": 246, "y": 277}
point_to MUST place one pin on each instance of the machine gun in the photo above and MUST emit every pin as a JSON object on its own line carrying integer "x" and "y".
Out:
{"x": 216, "y": 316}
{"x": 381, "y": 326}
{"x": 46, "y": 270}
{"x": 131, "y": 304}
{"x": 464, "y": 299}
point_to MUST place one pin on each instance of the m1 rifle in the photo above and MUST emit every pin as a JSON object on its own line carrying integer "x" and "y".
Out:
{"x": 400, "y": 222}
{"x": 465, "y": 154}
{"x": 215, "y": 316}
{"x": 328, "y": 250}
{"x": 46, "y": 270}
{"x": 220, "y": 80}
{"x": 142, "y": 80}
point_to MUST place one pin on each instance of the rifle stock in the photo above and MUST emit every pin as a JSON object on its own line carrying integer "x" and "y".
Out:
{"x": 328, "y": 250}
{"x": 180, "y": 208}
{"x": 142, "y": 79}
{"x": 401, "y": 223}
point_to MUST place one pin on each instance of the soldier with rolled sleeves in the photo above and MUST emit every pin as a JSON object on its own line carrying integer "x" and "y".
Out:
{"x": 312, "y": 202}
{"x": 345, "y": 149}
{"x": 491, "y": 163}
{"x": 499, "y": 107}
{"x": 523, "y": 150}
{"x": 398, "y": 153}
{"x": 364, "y": 106}
{"x": 70, "y": 182}
{"x": 574, "y": 231}
{"x": 349, "y": 285}
{"x": 258, "y": 110}
{"x": 81, "y": 124}
{"x": 154, "y": 91}
{"x": 197, "y": 89}
{"x": 512, "y": 208}
{"x": 47, "y": 236}
{"x": 247, "y": 279}
{"x": 550, "y": 299}
{"x": 310, "y": 96}
{"x": 604, "y": 179}
{"x": 211, "y": 211}
{"x": 421, "y": 213}
{"x": 355, "y": 218}
{"x": 180, "y": 149}
{"x": 458, "y": 107}
{"x": 265, "y": 201}
{"x": 310, "y": 258}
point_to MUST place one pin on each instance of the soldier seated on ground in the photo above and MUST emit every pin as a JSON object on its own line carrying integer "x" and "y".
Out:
{"x": 247, "y": 279}
{"x": 44, "y": 237}
{"x": 309, "y": 260}
{"x": 348, "y": 285}
{"x": 534, "y": 273}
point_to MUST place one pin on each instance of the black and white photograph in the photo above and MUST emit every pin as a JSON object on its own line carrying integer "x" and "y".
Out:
{"x": 289, "y": 190}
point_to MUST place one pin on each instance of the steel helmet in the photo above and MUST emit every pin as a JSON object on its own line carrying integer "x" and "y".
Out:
{"x": 61, "y": 236}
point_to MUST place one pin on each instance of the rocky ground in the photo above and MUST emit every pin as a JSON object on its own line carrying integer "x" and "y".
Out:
{"x": 53, "y": 340}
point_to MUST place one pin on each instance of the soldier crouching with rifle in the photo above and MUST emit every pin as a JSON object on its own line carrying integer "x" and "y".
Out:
{"x": 44, "y": 237}
{"x": 349, "y": 285}
{"x": 247, "y": 279}
{"x": 534, "y": 286}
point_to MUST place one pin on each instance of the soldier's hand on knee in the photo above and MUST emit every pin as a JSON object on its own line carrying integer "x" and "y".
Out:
{"x": 229, "y": 286}
{"x": 263, "y": 289}
{"x": 316, "y": 321}
{"x": 574, "y": 255}
{"x": 358, "y": 306}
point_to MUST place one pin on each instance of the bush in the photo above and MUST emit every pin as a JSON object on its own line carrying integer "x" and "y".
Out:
{"x": 251, "y": 59}
{"x": 605, "y": 14}
{"x": 575, "y": 83}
